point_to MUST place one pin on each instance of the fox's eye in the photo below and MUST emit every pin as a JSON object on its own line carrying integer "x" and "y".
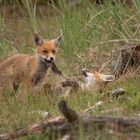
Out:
{"x": 53, "y": 51}
{"x": 45, "y": 51}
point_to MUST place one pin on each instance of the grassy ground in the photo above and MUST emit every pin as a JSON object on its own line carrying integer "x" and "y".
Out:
{"x": 85, "y": 28}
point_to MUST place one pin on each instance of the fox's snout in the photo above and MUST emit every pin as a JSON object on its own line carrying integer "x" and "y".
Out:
{"x": 86, "y": 72}
{"x": 47, "y": 56}
{"x": 51, "y": 58}
{"x": 48, "y": 59}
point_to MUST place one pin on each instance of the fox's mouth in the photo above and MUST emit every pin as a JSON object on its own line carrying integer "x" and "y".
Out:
{"x": 84, "y": 72}
{"x": 48, "y": 61}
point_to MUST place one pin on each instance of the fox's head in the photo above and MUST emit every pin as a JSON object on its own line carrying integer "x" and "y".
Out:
{"x": 92, "y": 77}
{"x": 46, "y": 49}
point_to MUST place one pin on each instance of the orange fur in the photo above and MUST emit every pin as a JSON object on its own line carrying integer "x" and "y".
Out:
{"x": 22, "y": 68}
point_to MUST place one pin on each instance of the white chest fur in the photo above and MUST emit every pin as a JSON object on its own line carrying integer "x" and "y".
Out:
{"x": 88, "y": 81}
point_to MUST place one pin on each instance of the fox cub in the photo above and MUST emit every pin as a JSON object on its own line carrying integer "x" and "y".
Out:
{"x": 95, "y": 80}
{"x": 91, "y": 80}
{"x": 29, "y": 70}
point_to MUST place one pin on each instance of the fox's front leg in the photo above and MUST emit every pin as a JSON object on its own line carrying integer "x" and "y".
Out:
{"x": 66, "y": 81}
{"x": 57, "y": 71}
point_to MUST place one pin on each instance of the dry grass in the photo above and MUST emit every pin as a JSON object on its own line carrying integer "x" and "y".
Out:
{"x": 90, "y": 34}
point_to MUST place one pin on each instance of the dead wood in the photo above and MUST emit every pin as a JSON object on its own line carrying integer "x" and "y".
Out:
{"x": 68, "y": 113}
{"x": 122, "y": 60}
{"x": 128, "y": 56}
{"x": 62, "y": 126}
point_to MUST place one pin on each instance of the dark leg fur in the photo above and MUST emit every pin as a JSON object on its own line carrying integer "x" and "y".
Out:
{"x": 67, "y": 82}
{"x": 15, "y": 86}
{"x": 56, "y": 70}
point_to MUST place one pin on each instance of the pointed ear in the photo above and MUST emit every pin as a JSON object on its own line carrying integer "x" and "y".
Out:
{"x": 38, "y": 40}
{"x": 57, "y": 40}
{"x": 108, "y": 78}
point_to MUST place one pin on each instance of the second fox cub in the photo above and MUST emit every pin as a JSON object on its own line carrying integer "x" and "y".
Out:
{"x": 29, "y": 70}
{"x": 92, "y": 80}
{"x": 95, "y": 79}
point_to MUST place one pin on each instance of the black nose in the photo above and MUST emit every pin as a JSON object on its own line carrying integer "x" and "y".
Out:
{"x": 51, "y": 58}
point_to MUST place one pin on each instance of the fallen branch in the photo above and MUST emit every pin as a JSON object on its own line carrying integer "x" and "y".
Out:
{"x": 61, "y": 126}
{"x": 68, "y": 113}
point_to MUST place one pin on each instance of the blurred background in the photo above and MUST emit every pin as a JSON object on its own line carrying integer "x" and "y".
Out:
{"x": 91, "y": 29}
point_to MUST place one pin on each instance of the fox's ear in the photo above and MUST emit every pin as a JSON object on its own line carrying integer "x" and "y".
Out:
{"x": 38, "y": 40}
{"x": 108, "y": 78}
{"x": 57, "y": 40}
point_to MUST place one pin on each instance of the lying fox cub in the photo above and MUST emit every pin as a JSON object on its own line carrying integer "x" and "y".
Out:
{"x": 29, "y": 70}
{"x": 92, "y": 81}
{"x": 95, "y": 80}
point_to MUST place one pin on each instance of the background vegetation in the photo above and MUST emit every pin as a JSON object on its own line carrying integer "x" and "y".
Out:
{"x": 87, "y": 28}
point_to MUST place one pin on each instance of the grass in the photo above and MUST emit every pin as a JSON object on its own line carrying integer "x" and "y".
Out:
{"x": 84, "y": 28}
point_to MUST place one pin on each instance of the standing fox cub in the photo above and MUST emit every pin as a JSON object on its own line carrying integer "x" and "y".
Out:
{"x": 29, "y": 70}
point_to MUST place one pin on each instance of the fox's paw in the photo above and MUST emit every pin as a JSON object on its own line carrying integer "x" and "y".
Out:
{"x": 70, "y": 83}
